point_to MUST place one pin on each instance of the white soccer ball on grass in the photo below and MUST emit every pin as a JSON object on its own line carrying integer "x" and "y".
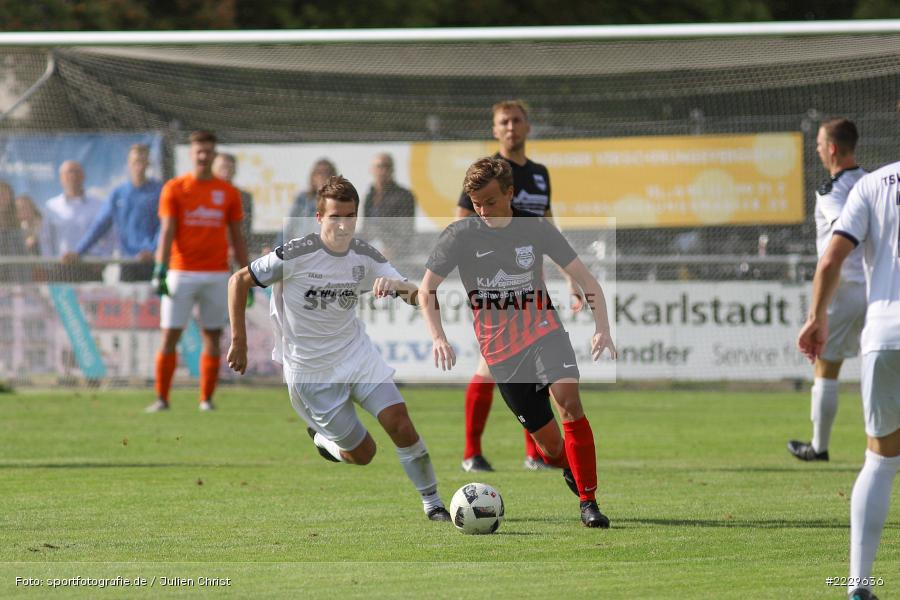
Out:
{"x": 477, "y": 508}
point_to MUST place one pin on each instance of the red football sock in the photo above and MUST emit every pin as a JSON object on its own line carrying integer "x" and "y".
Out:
{"x": 479, "y": 396}
{"x": 582, "y": 457}
{"x": 531, "y": 448}
{"x": 165, "y": 370}
{"x": 209, "y": 375}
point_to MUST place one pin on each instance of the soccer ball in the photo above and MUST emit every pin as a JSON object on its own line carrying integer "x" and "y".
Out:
{"x": 477, "y": 508}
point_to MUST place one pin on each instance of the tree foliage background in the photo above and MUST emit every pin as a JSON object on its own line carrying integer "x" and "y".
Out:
{"x": 92, "y": 15}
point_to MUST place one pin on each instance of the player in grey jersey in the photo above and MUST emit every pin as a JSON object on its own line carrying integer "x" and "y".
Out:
{"x": 327, "y": 357}
{"x": 871, "y": 219}
{"x": 835, "y": 145}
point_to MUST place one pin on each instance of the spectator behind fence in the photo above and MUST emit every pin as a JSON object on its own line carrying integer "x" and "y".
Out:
{"x": 305, "y": 203}
{"x": 66, "y": 218}
{"x": 132, "y": 208}
{"x": 389, "y": 209}
{"x": 225, "y": 167}
{"x": 11, "y": 240}
{"x": 30, "y": 222}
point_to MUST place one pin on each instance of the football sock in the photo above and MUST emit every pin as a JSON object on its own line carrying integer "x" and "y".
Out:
{"x": 165, "y": 370}
{"x": 582, "y": 458}
{"x": 531, "y": 449}
{"x": 824, "y": 410}
{"x": 209, "y": 375}
{"x": 868, "y": 511}
{"x": 431, "y": 501}
{"x": 417, "y": 464}
{"x": 479, "y": 396}
{"x": 326, "y": 444}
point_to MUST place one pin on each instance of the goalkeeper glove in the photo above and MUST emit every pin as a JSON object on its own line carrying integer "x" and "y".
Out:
{"x": 159, "y": 279}
{"x": 250, "y": 298}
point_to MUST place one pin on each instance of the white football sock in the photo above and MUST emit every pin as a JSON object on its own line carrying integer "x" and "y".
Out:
{"x": 868, "y": 511}
{"x": 824, "y": 410}
{"x": 331, "y": 447}
{"x": 417, "y": 464}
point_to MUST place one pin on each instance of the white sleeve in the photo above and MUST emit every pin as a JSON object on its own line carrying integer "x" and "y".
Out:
{"x": 829, "y": 207}
{"x": 268, "y": 269}
{"x": 386, "y": 269}
{"x": 854, "y": 220}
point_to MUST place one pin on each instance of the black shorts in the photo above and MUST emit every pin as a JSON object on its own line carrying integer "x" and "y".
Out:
{"x": 524, "y": 379}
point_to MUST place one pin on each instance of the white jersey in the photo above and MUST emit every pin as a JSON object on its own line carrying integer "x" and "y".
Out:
{"x": 830, "y": 200}
{"x": 871, "y": 218}
{"x": 313, "y": 307}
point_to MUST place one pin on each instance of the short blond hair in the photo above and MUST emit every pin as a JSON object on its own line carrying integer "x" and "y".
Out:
{"x": 510, "y": 105}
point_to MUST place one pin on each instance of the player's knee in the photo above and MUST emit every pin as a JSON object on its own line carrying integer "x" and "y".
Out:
{"x": 403, "y": 432}
{"x": 888, "y": 446}
{"x": 364, "y": 453}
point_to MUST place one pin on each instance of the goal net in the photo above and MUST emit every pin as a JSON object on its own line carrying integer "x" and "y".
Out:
{"x": 701, "y": 147}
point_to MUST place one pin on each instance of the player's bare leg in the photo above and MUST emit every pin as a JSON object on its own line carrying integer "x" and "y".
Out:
{"x": 166, "y": 361}
{"x": 870, "y": 502}
{"x": 210, "y": 359}
{"x": 824, "y": 406}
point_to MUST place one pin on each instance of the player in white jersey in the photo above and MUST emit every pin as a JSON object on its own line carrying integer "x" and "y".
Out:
{"x": 871, "y": 218}
{"x": 327, "y": 357}
{"x": 836, "y": 147}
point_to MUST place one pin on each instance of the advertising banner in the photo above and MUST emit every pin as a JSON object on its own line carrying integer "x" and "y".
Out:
{"x": 682, "y": 331}
{"x": 661, "y": 181}
{"x": 30, "y": 163}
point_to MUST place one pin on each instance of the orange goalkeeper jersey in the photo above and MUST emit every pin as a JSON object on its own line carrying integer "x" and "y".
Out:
{"x": 202, "y": 210}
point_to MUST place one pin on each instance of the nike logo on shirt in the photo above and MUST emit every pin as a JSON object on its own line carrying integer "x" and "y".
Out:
{"x": 482, "y": 254}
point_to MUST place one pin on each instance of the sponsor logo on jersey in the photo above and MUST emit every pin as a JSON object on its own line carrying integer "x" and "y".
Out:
{"x": 503, "y": 280}
{"x": 540, "y": 182}
{"x": 312, "y": 275}
{"x": 479, "y": 254}
{"x": 536, "y": 203}
{"x": 525, "y": 256}
{"x": 218, "y": 197}
{"x": 204, "y": 217}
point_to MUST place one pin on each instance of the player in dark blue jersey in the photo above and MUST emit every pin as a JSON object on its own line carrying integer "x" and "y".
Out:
{"x": 500, "y": 260}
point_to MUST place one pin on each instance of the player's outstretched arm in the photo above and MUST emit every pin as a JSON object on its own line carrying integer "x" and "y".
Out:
{"x": 444, "y": 357}
{"x": 594, "y": 297}
{"x": 397, "y": 288}
{"x": 812, "y": 337}
{"x": 238, "y": 288}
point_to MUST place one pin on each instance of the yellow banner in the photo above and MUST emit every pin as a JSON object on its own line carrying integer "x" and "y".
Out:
{"x": 665, "y": 181}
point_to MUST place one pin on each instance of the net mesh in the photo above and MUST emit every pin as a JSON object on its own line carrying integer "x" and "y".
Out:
{"x": 408, "y": 92}
{"x": 441, "y": 92}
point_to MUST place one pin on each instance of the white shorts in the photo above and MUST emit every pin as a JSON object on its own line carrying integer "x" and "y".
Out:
{"x": 881, "y": 392}
{"x": 209, "y": 290}
{"x": 846, "y": 317}
{"x": 326, "y": 403}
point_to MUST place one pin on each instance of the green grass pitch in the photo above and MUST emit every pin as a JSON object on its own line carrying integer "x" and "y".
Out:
{"x": 705, "y": 502}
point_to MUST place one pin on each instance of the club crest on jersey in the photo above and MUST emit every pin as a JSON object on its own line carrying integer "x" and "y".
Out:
{"x": 359, "y": 272}
{"x": 540, "y": 182}
{"x": 525, "y": 256}
{"x": 218, "y": 197}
